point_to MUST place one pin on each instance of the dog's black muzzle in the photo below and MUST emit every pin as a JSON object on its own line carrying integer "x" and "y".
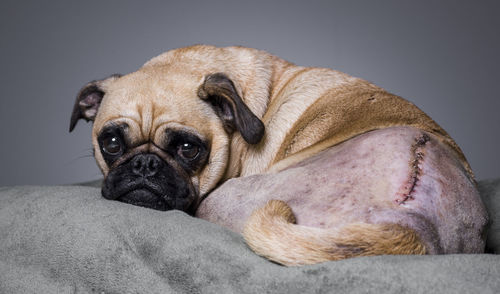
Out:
{"x": 149, "y": 181}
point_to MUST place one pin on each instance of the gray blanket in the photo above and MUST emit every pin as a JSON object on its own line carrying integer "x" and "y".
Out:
{"x": 70, "y": 240}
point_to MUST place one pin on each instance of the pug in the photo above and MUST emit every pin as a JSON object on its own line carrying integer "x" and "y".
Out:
{"x": 310, "y": 164}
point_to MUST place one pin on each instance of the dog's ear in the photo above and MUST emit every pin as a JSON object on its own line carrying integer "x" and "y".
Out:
{"x": 88, "y": 100}
{"x": 220, "y": 91}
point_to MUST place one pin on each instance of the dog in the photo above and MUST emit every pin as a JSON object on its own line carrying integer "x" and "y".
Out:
{"x": 310, "y": 164}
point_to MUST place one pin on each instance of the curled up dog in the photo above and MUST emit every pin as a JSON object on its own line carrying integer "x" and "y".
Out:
{"x": 310, "y": 164}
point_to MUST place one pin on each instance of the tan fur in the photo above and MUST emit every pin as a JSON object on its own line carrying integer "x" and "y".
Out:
{"x": 304, "y": 110}
{"x": 271, "y": 232}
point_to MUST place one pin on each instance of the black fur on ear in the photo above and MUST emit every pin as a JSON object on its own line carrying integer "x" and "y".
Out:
{"x": 88, "y": 101}
{"x": 220, "y": 91}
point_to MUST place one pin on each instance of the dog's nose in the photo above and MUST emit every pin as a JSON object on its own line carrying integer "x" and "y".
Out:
{"x": 146, "y": 165}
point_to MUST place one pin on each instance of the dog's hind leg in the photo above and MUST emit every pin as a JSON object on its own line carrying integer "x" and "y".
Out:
{"x": 271, "y": 232}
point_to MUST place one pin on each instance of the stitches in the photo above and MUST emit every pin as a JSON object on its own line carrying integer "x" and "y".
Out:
{"x": 417, "y": 151}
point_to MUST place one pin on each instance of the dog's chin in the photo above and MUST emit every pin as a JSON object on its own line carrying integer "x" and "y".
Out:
{"x": 145, "y": 198}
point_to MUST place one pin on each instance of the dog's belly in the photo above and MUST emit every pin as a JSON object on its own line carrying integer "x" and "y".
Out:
{"x": 398, "y": 175}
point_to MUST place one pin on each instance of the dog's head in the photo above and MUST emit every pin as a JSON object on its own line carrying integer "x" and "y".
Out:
{"x": 161, "y": 135}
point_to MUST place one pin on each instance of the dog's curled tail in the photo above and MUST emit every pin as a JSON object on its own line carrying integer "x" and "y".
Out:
{"x": 271, "y": 232}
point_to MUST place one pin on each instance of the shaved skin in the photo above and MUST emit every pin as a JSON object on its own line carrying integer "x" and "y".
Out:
{"x": 399, "y": 175}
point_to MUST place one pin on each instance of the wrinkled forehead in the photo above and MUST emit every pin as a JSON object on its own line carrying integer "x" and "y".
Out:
{"x": 151, "y": 101}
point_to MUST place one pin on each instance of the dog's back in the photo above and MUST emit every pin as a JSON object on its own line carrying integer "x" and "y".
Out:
{"x": 432, "y": 205}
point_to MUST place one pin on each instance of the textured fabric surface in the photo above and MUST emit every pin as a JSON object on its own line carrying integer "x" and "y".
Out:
{"x": 71, "y": 240}
{"x": 490, "y": 193}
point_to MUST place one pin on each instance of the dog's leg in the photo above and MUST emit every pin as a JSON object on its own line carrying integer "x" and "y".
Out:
{"x": 271, "y": 232}
{"x": 398, "y": 183}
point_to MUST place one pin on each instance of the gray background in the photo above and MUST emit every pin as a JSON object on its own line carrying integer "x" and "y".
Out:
{"x": 441, "y": 55}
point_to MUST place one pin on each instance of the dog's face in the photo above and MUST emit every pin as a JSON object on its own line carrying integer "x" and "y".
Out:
{"x": 161, "y": 135}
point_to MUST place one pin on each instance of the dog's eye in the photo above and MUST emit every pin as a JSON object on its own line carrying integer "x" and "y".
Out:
{"x": 188, "y": 151}
{"x": 112, "y": 145}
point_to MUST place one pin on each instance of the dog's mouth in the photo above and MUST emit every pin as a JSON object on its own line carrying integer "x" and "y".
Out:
{"x": 141, "y": 193}
{"x": 143, "y": 196}
{"x": 147, "y": 193}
